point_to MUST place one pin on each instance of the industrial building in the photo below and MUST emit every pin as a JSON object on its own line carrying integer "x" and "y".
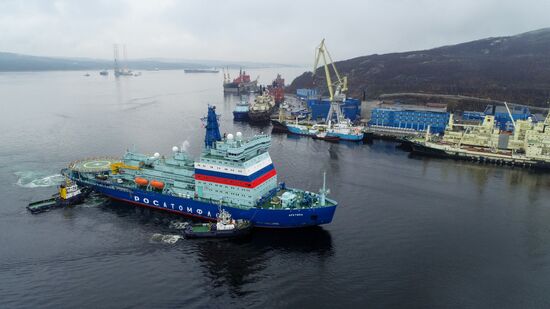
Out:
{"x": 418, "y": 120}
{"x": 306, "y": 93}
{"x": 351, "y": 109}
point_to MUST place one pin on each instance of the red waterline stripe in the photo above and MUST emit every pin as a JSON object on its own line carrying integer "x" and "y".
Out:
{"x": 238, "y": 183}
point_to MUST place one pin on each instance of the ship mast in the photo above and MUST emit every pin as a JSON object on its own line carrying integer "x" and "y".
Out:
{"x": 115, "y": 52}
{"x": 125, "y": 63}
{"x": 510, "y": 114}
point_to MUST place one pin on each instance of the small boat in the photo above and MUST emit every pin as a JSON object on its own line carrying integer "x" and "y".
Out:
{"x": 240, "y": 113}
{"x": 345, "y": 131}
{"x": 69, "y": 194}
{"x": 104, "y": 73}
{"x": 87, "y": 74}
{"x": 224, "y": 227}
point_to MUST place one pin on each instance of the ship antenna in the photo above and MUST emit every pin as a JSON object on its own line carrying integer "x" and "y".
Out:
{"x": 324, "y": 191}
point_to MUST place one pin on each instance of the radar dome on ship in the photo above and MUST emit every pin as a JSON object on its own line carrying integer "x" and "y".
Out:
{"x": 156, "y": 155}
{"x": 229, "y": 137}
{"x": 175, "y": 149}
{"x": 239, "y": 136}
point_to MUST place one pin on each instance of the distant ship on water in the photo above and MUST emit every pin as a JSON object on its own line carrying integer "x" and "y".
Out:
{"x": 201, "y": 70}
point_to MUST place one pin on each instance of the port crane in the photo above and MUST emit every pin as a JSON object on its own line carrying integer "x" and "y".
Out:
{"x": 337, "y": 89}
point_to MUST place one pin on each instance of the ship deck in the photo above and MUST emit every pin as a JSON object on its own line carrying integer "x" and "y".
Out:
{"x": 93, "y": 165}
{"x": 201, "y": 228}
{"x": 275, "y": 201}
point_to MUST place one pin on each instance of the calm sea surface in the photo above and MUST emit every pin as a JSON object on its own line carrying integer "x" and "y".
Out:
{"x": 409, "y": 232}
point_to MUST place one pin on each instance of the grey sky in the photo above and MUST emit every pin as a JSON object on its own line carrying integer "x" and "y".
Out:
{"x": 270, "y": 31}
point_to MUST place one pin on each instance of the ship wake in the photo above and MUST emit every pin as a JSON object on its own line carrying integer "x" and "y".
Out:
{"x": 30, "y": 179}
{"x": 165, "y": 239}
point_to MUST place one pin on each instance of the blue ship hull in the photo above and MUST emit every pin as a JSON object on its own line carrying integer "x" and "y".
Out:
{"x": 240, "y": 116}
{"x": 298, "y": 131}
{"x": 267, "y": 218}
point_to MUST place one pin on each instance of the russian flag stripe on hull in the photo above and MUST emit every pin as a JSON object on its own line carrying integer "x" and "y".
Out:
{"x": 242, "y": 178}
{"x": 235, "y": 171}
{"x": 238, "y": 183}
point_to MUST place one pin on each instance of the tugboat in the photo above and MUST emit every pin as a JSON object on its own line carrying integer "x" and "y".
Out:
{"x": 240, "y": 113}
{"x": 261, "y": 109}
{"x": 225, "y": 227}
{"x": 69, "y": 194}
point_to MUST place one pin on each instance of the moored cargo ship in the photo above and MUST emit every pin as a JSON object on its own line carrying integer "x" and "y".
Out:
{"x": 527, "y": 146}
{"x": 240, "y": 85}
{"x": 277, "y": 89}
{"x": 233, "y": 174}
{"x": 261, "y": 109}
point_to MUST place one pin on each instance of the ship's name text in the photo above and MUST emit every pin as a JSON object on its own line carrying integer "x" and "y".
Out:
{"x": 172, "y": 206}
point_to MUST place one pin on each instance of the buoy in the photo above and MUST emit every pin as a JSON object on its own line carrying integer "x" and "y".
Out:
{"x": 141, "y": 181}
{"x": 157, "y": 184}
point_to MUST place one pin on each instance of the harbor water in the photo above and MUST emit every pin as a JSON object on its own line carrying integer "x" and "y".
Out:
{"x": 409, "y": 231}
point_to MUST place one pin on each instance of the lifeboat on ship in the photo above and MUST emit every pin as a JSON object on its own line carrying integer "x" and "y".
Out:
{"x": 141, "y": 181}
{"x": 157, "y": 184}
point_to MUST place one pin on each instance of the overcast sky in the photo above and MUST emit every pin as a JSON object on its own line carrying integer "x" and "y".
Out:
{"x": 267, "y": 31}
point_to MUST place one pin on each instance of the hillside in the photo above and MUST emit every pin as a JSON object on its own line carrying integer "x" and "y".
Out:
{"x": 514, "y": 69}
{"x": 20, "y": 62}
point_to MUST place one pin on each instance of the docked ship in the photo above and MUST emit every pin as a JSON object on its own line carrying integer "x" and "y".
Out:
{"x": 240, "y": 113}
{"x": 527, "y": 146}
{"x": 345, "y": 131}
{"x": 277, "y": 89}
{"x": 232, "y": 173}
{"x": 339, "y": 129}
{"x": 240, "y": 85}
{"x": 261, "y": 109}
{"x": 316, "y": 131}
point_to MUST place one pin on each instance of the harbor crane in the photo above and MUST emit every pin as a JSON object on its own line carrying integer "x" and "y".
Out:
{"x": 337, "y": 89}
